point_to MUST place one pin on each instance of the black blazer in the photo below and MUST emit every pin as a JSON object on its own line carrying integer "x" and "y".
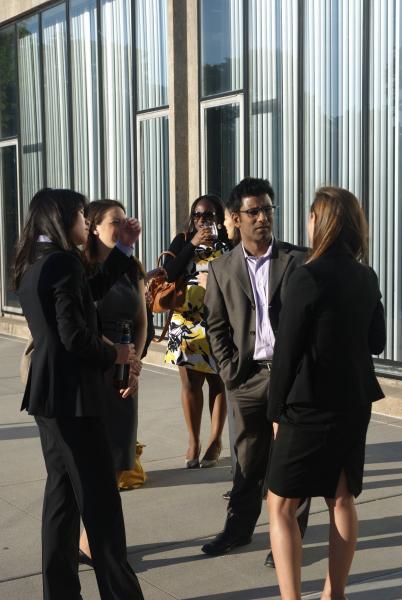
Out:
{"x": 331, "y": 323}
{"x": 230, "y": 307}
{"x": 66, "y": 374}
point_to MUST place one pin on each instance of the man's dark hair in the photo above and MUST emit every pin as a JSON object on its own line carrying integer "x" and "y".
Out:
{"x": 250, "y": 186}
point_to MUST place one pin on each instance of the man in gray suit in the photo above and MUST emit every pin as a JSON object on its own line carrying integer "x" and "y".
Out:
{"x": 245, "y": 291}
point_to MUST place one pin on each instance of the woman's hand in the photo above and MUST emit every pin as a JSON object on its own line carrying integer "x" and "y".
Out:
{"x": 129, "y": 232}
{"x": 203, "y": 237}
{"x": 125, "y": 354}
{"x": 202, "y": 279}
{"x": 132, "y": 387}
{"x": 135, "y": 366}
{"x": 275, "y": 427}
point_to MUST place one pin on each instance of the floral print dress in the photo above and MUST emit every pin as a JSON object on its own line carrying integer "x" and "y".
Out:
{"x": 187, "y": 343}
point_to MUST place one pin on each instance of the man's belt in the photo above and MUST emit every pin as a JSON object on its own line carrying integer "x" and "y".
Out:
{"x": 263, "y": 364}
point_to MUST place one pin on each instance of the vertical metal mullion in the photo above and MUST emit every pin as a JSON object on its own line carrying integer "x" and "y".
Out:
{"x": 365, "y": 107}
{"x": 200, "y": 121}
{"x": 246, "y": 88}
{"x": 134, "y": 106}
{"x": 42, "y": 101}
{"x": 69, "y": 98}
{"x": 100, "y": 98}
{"x": 19, "y": 145}
{"x": 300, "y": 121}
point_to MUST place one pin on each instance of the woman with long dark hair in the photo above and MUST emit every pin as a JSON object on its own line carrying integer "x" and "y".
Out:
{"x": 204, "y": 240}
{"x": 322, "y": 387}
{"x": 65, "y": 393}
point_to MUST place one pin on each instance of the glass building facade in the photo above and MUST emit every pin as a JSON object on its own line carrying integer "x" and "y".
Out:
{"x": 302, "y": 92}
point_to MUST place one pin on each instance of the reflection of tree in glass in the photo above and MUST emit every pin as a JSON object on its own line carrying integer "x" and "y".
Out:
{"x": 8, "y": 83}
{"x": 219, "y": 77}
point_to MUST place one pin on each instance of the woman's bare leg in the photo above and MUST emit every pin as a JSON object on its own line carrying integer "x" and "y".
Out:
{"x": 286, "y": 544}
{"x": 218, "y": 411}
{"x": 342, "y": 540}
{"x": 192, "y": 402}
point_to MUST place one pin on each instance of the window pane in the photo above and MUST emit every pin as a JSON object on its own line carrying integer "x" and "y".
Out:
{"x": 153, "y": 184}
{"x": 30, "y": 109}
{"x": 385, "y": 165}
{"x": 273, "y": 34}
{"x": 151, "y": 54}
{"x": 333, "y": 95}
{"x": 117, "y": 99}
{"x": 56, "y": 94}
{"x": 8, "y": 83}
{"x": 222, "y": 149}
{"x": 84, "y": 90}
{"x": 221, "y": 46}
{"x": 9, "y": 204}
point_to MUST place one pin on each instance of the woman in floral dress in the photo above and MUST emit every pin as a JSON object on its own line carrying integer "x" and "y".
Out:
{"x": 204, "y": 240}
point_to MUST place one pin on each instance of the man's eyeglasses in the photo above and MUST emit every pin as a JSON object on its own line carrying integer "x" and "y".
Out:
{"x": 254, "y": 212}
{"x": 208, "y": 214}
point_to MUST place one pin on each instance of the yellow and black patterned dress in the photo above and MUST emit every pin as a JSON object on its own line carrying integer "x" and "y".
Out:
{"x": 187, "y": 343}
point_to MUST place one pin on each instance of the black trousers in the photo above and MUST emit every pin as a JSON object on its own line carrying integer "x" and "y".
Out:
{"x": 253, "y": 439}
{"x": 253, "y": 433}
{"x": 81, "y": 481}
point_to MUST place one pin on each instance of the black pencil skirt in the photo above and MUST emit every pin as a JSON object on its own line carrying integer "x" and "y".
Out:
{"x": 313, "y": 447}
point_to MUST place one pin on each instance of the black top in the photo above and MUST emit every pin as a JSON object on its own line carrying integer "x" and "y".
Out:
{"x": 65, "y": 378}
{"x": 184, "y": 250}
{"x": 332, "y": 321}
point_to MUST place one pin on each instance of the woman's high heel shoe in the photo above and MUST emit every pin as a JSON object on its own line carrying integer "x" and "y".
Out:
{"x": 193, "y": 463}
{"x": 213, "y": 457}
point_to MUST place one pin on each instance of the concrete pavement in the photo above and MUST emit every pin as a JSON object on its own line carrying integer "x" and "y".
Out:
{"x": 169, "y": 519}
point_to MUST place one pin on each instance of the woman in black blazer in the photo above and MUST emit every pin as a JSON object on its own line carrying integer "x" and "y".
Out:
{"x": 65, "y": 394}
{"x": 322, "y": 386}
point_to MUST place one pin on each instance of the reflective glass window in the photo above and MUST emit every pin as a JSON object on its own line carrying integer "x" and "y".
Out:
{"x": 10, "y": 219}
{"x": 151, "y": 53}
{"x": 30, "y": 108}
{"x": 55, "y": 83}
{"x": 84, "y": 97}
{"x": 221, "y": 46}
{"x": 222, "y": 149}
{"x": 8, "y": 83}
{"x": 117, "y": 100}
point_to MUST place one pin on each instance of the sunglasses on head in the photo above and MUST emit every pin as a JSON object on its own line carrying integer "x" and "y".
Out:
{"x": 208, "y": 214}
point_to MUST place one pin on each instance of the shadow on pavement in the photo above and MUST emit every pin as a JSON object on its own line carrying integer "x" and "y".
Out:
{"x": 384, "y": 452}
{"x": 18, "y": 433}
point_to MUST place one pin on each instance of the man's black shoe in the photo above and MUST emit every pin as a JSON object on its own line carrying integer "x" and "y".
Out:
{"x": 225, "y": 542}
{"x": 269, "y": 561}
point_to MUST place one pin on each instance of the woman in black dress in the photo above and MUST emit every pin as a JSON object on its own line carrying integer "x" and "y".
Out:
{"x": 123, "y": 303}
{"x": 322, "y": 387}
{"x": 64, "y": 392}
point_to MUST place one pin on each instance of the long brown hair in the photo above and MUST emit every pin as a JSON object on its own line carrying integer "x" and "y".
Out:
{"x": 339, "y": 220}
{"x": 95, "y": 213}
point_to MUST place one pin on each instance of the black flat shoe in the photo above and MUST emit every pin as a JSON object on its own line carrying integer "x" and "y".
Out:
{"x": 225, "y": 542}
{"x": 84, "y": 559}
{"x": 226, "y": 495}
{"x": 269, "y": 561}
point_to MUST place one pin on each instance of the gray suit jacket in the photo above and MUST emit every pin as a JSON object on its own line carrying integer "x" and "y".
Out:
{"x": 230, "y": 307}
